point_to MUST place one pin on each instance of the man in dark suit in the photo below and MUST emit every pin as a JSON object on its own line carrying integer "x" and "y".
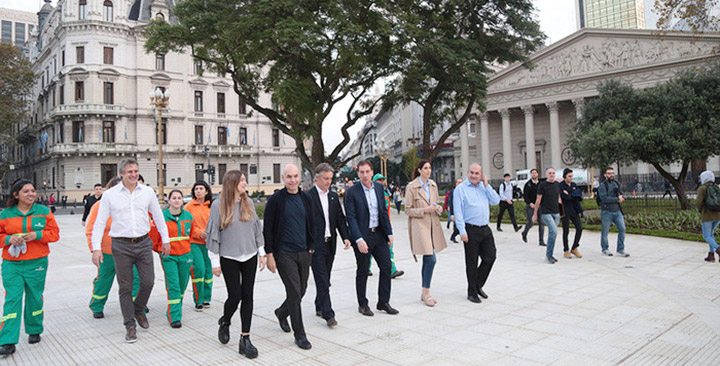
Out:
{"x": 329, "y": 220}
{"x": 370, "y": 234}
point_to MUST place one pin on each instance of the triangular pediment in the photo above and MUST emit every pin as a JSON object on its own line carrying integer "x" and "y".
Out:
{"x": 591, "y": 52}
{"x": 221, "y": 84}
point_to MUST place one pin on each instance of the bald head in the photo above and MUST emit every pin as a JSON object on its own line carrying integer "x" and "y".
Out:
{"x": 291, "y": 178}
{"x": 475, "y": 173}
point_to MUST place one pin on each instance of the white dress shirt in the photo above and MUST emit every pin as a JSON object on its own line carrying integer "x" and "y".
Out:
{"x": 325, "y": 203}
{"x": 506, "y": 191}
{"x": 129, "y": 213}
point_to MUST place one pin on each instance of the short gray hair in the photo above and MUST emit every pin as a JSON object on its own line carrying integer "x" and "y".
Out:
{"x": 322, "y": 168}
{"x": 126, "y": 162}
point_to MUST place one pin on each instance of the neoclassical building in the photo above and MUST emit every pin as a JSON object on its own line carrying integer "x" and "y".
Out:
{"x": 91, "y": 107}
{"x": 541, "y": 104}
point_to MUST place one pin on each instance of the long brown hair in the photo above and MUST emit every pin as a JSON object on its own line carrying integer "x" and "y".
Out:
{"x": 421, "y": 164}
{"x": 227, "y": 199}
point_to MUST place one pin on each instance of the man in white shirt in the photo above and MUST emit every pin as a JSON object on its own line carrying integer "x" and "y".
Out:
{"x": 506, "y": 203}
{"x": 128, "y": 204}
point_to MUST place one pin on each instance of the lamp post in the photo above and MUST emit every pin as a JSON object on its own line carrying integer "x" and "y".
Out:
{"x": 384, "y": 153}
{"x": 160, "y": 100}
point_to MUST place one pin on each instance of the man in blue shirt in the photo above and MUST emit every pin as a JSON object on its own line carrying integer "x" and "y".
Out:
{"x": 471, "y": 200}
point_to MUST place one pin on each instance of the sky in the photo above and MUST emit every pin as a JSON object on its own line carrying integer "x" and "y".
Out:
{"x": 556, "y": 17}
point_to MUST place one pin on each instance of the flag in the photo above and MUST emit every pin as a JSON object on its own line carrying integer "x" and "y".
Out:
{"x": 254, "y": 137}
{"x": 283, "y": 139}
{"x": 100, "y": 134}
{"x": 57, "y": 135}
{"x": 227, "y": 128}
{"x": 80, "y": 136}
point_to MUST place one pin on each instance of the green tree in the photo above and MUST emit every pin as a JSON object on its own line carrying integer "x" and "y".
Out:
{"x": 308, "y": 55}
{"x": 674, "y": 122}
{"x": 16, "y": 80}
{"x": 410, "y": 161}
{"x": 700, "y": 15}
{"x": 449, "y": 46}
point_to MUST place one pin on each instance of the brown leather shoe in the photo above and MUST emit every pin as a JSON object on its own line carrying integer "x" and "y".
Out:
{"x": 331, "y": 323}
{"x": 567, "y": 255}
{"x": 710, "y": 257}
{"x": 131, "y": 335}
{"x": 142, "y": 321}
{"x": 576, "y": 253}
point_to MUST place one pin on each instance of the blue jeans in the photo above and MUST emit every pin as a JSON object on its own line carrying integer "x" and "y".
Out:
{"x": 427, "y": 269}
{"x": 708, "y": 230}
{"x": 551, "y": 221}
{"x": 608, "y": 218}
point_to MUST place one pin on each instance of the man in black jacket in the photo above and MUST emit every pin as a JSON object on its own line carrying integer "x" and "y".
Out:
{"x": 289, "y": 246}
{"x": 571, "y": 197}
{"x": 91, "y": 200}
{"x": 329, "y": 220}
{"x": 530, "y": 195}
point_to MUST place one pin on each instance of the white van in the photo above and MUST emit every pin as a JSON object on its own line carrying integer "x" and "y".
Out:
{"x": 580, "y": 177}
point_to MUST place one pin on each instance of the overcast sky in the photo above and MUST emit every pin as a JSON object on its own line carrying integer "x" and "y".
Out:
{"x": 557, "y": 20}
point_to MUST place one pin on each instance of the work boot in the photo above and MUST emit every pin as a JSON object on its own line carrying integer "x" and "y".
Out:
{"x": 7, "y": 349}
{"x": 223, "y": 331}
{"x": 710, "y": 257}
{"x": 246, "y": 347}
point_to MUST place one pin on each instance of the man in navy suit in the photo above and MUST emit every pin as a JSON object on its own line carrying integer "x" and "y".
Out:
{"x": 370, "y": 234}
{"x": 329, "y": 220}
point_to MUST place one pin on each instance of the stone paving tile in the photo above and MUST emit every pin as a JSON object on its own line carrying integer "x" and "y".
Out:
{"x": 657, "y": 307}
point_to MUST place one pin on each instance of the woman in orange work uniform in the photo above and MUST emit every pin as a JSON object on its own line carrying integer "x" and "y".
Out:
{"x": 201, "y": 271}
{"x": 26, "y": 228}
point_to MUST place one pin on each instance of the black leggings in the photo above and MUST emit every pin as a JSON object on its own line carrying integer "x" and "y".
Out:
{"x": 239, "y": 281}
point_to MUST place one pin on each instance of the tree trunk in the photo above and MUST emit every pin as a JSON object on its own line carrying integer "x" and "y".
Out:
{"x": 677, "y": 183}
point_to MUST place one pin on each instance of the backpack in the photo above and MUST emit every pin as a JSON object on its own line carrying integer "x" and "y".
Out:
{"x": 712, "y": 201}
{"x": 597, "y": 193}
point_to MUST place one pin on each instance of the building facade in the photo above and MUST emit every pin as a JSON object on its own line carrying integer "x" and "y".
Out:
{"x": 16, "y": 26}
{"x": 92, "y": 108}
{"x": 540, "y": 105}
{"x": 619, "y": 14}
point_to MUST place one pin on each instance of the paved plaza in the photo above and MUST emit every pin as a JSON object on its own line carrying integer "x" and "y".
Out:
{"x": 660, "y": 306}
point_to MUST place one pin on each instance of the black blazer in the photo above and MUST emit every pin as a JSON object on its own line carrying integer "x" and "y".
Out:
{"x": 358, "y": 217}
{"x": 336, "y": 215}
{"x": 272, "y": 227}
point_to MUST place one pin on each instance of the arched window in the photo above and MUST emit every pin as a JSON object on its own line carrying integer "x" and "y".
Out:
{"x": 82, "y": 9}
{"x": 108, "y": 11}
{"x": 160, "y": 16}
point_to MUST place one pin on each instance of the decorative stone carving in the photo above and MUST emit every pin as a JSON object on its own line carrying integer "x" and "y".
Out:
{"x": 528, "y": 109}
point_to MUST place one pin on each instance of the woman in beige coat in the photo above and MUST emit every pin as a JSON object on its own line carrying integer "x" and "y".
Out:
{"x": 426, "y": 234}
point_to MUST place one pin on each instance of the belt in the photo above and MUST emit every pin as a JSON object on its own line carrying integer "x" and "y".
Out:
{"x": 374, "y": 229}
{"x": 475, "y": 226}
{"x": 134, "y": 240}
{"x": 327, "y": 239}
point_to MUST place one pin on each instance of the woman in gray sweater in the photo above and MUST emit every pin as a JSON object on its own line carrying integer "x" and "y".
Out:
{"x": 236, "y": 247}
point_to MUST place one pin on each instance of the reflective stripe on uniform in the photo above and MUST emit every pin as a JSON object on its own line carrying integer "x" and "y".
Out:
{"x": 179, "y": 238}
{"x": 38, "y": 312}
{"x": 208, "y": 281}
{"x": 173, "y": 302}
{"x": 9, "y": 316}
{"x": 98, "y": 297}
{"x": 197, "y": 280}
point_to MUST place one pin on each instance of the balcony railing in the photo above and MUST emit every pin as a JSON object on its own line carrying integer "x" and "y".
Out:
{"x": 75, "y": 109}
{"x": 222, "y": 149}
{"x": 92, "y": 148}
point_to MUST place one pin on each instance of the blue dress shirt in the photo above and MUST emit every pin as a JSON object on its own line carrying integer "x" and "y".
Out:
{"x": 426, "y": 187}
{"x": 471, "y": 204}
{"x": 371, "y": 198}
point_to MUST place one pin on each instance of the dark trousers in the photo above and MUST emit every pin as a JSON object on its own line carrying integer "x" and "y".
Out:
{"x": 480, "y": 244}
{"x": 575, "y": 218}
{"x": 294, "y": 269}
{"x": 127, "y": 255}
{"x": 380, "y": 250}
{"x": 510, "y": 209}
{"x": 529, "y": 211}
{"x": 322, "y": 262}
{"x": 240, "y": 282}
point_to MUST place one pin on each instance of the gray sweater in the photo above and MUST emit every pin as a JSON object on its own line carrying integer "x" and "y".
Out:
{"x": 239, "y": 239}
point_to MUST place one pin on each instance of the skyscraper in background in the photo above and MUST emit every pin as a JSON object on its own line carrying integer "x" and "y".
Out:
{"x": 623, "y": 14}
{"x": 16, "y": 26}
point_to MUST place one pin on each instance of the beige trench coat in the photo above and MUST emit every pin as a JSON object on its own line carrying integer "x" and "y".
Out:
{"x": 425, "y": 229}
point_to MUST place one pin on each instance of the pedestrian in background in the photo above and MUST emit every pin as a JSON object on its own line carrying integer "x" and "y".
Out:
{"x": 449, "y": 208}
{"x": 548, "y": 202}
{"x": 708, "y": 204}
{"x": 571, "y": 197}
{"x": 90, "y": 201}
{"x": 201, "y": 271}
{"x": 506, "y": 203}
{"x": 611, "y": 196}
{"x": 530, "y": 196}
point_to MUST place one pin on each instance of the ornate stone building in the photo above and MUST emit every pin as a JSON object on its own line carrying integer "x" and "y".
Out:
{"x": 540, "y": 105}
{"x": 91, "y": 107}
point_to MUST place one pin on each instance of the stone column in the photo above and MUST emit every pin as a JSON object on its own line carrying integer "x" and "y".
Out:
{"x": 529, "y": 112}
{"x": 554, "y": 135}
{"x": 507, "y": 141}
{"x": 714, "y": 163}
{"x": 458, "y": 169}
{"x": 579, "y": 106}
{"x": 485, "y": 143}
{"x": 464, "y": 150}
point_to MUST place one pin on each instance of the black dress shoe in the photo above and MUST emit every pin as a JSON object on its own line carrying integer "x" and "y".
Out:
{"x": 518, "y": 228}
{"x": 482, "y": 293}
{"x": 524, "y": 237}
{"x": 176, "y": 324}
{"x": 453, "y": 240}
{"x": 246, "y": 347}
{"x": 397, "y": 274}
{"x": 98, "y": 315}
{"x": 474, "y": 298}
{"x": 223, "y": 331}
{"x": 542, "y": 244}
{"x": 365, "y": 310}
{"x": 283, "y": 322}
{"x": 303, "y": 343}
{"x": 34, "y": 338}
{"x": 499, "y": 229}
{"x": 7, "y": 349}
{"x": 331, "y": 323}
{"x": 387, "y": 308}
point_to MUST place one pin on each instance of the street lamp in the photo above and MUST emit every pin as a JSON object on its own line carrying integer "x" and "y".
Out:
{"x": 160, "y": 100}
{"x": 384, "y": 153}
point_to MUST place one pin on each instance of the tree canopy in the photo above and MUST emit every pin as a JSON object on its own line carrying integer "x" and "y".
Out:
{"x": 308, "y": 55}
{"x": 449, "y": 46}
{"x": 673, "y": 122}
{"x": 16, "y": 80}
{"x": 699, "y": 15}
